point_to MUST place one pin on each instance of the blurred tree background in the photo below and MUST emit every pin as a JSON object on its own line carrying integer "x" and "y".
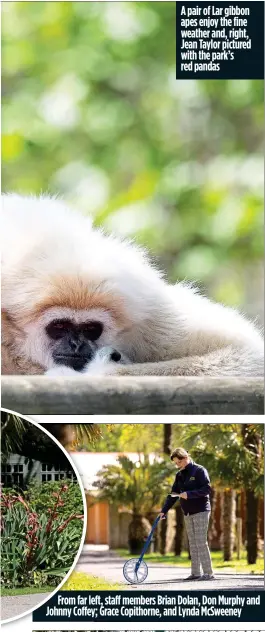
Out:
{"x": 234, "y": 455}
{"x": 92, "y": 111}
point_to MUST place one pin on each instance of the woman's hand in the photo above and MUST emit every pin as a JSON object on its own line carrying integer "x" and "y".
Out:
{"x": 183, "y": 495}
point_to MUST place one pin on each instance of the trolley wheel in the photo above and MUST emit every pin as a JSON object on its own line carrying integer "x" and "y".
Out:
{"x": 130, "y": 573}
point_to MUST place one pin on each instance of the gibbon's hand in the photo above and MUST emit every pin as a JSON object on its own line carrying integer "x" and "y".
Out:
{"x": 61, "y": 370}
{"x": 105, "y": 362}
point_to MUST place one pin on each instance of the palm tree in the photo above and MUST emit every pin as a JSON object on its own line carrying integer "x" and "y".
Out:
{"x": 228, "y": 522}
{"x": 26, "y": 439}
{"x": 252, "y": 440}
{"x": 72, "y": 435}
{"x": 139, "y": 487}
{"x": 167, "y": 435}
{"x": 12, "y": 432}
{"x": 69, "y": 435}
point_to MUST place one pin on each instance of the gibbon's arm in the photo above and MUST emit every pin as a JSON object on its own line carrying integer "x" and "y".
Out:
{"x": 14, "y": 365}
{"x": 11, "y": 362}
{"x": 199, "y": 337}
{"x": 225, "y": 362}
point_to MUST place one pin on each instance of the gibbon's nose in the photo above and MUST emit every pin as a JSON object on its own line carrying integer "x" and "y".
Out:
{"x": 77, "y": 345}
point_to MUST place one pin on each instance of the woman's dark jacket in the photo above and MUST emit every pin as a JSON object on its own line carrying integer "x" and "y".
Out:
{"x": 194, "y": 480}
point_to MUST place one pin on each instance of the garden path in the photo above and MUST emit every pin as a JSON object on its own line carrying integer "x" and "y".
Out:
{"x": 107, "y": 564}
{"x": 19, "y": 604}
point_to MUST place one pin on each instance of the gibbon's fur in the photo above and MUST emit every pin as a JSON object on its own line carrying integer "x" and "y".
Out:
{"x": 57, "y": 266}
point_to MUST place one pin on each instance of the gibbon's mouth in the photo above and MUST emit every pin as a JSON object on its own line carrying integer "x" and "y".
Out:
{"x": 76, "y": 362}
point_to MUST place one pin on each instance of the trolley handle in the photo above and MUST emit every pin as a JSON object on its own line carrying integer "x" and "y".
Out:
{"x": 148, "y": 540}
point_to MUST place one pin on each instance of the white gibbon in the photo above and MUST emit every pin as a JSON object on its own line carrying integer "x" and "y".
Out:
{"x": 77, "y": 300}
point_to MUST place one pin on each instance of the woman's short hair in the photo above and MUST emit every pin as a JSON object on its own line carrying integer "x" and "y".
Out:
{"x": 179, "y": 453}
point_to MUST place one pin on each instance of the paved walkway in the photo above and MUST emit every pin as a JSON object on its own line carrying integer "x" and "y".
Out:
{"x": 13, "y": 606}
{"x": 106, "y": 564}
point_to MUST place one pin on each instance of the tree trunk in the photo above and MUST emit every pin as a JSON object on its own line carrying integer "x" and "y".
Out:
{"x": 167, "y": 435}
{"x": 65, "y": 433}
{"x": 139, "y": 529}
{"x": 228, "y": 523}
{"x": 252, "y": 530}
{"x": 253, "y": 443}
{"x": 212, "y": 531}
{"x": 179, "y": 530}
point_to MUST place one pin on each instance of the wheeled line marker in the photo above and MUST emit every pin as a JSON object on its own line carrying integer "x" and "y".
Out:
{"x": 135, "y": 570}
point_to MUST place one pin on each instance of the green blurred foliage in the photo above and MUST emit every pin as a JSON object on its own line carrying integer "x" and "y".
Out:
{"x": 221, "y": 448}
{"x": 92, "y": 111}
{"x": 131, "y": 437}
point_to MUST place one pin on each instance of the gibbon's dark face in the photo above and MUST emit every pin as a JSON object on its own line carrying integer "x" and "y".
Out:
{"x": 72, "y": 344}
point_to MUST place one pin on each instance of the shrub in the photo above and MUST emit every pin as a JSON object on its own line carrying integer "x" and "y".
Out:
{"x": 38, "y": 496}
{"x": 37, "y": 547}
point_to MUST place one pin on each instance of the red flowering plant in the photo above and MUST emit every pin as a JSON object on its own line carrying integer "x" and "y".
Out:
{"x": 38, "y": 546}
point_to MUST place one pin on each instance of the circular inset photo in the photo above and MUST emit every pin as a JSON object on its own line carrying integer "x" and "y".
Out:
{"x": 43, "y": 517}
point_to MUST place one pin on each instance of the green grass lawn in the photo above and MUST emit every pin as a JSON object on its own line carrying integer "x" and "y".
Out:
{"x": 29, "y": 590}
{"x": 82, "y": 581}
{"x": 239, "y": 566}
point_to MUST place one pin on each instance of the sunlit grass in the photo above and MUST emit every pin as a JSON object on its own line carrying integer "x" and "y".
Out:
{"x": 82, "y": 581}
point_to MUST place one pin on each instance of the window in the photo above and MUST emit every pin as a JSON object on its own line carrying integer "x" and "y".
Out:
{"x": 18, "y": 479}
{"x": 50, "y": 473}
{"x": 13, "y": 474}
{"x": 18, "y": 468}
{"x": 6, "y": 468}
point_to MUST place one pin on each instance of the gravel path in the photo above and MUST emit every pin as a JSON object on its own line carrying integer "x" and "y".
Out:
{"x": 108, "y": 565}
{"x": 13, "y": 606}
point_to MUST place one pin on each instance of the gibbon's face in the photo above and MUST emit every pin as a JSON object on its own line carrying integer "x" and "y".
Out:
{"x": 70, "y": 336}
{"x": 71, "y": 343}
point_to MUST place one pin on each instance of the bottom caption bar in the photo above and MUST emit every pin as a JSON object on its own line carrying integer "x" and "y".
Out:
{"x": 152, "y": 606}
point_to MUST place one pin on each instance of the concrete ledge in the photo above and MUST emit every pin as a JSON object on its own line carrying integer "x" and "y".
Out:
{"x": 41, "y": 395}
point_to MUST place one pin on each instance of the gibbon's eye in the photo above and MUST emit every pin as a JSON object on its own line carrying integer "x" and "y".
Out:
{"x": 57, "y": 328}
{"x": 92, "y": 330}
